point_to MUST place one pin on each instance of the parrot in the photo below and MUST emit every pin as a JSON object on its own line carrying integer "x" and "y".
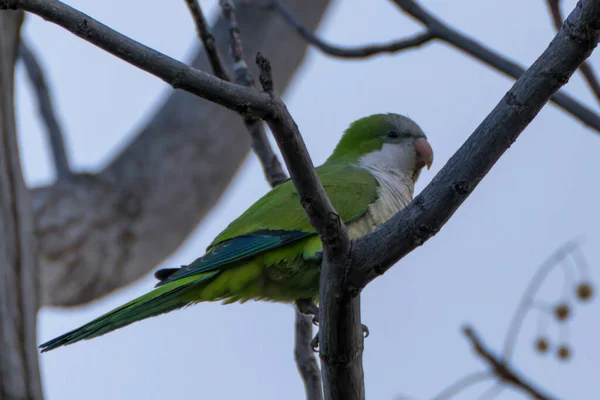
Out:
{"x": 271, "y": 252}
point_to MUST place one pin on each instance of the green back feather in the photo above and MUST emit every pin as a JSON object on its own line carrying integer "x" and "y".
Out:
{"x": 350, "y": 189}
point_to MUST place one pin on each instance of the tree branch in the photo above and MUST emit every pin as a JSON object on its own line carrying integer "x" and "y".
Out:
{"x": 19, "y": 369}
{"x": 207, "y": 40}
{"x": 502, "y": 370}
{"x": 424, "y": 217}
{"x": 462, "y": 384}
{"x": 445, "y": 33}
{"x": 348, "y": 52}
{"x": 303, "y": 354}
{"x": 177, "y": 74}
{"x": 260, "y": 143}
{"x": 436, "y": 29}
{"x": 340, "y": 333}
{"x": 102, "y": 231}
{"x": 585, "y": 68}
{"x": 35, "y": 73}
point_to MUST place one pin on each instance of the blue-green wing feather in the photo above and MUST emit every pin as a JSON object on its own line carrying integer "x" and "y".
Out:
{"x": 278, "y": 219}
{"x": 237, "y": 249}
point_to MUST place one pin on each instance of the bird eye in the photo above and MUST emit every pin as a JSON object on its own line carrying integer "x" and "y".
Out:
{"x": 393, "y": 135}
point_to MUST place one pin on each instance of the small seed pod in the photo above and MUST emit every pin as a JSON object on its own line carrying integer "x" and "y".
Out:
{"x": 542, "y": 345}
{"x": 563, "y": 352}
{"x": 562, "y": 312}
{"x": 584, "y": 291}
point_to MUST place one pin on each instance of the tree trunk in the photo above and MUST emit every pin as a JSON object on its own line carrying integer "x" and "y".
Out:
{"x": 19, "y": 372}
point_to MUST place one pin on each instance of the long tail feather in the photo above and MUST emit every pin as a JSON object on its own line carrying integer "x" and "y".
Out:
{"x": 166, "y": 298}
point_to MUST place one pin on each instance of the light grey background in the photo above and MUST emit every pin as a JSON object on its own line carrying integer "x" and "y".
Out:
{"x": 542, "y": 193}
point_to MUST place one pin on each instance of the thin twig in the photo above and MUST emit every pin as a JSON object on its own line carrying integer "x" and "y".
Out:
{"x": 260, "y": 143}
{"x": 348, "y": 52}
{"x": 585, "y": 68}
{"x": 247, "y": 101}
{"x": 207, "y": 40}
{"x": 436, "y": 29}
{"x": 46, "y": 109}
{"x": 242, "y": 73}
{"x": 305, "y": 358}
{"x": 500, "y": 369}
{"x": 492, "y": 392}
{"x": 529, "y": 295}
{"x": 493, "y": 59}
{"x": 271, "y": 165}
{"x": 462, "y": 384}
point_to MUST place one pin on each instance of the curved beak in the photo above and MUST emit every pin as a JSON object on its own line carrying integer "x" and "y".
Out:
{"x": 424, "y": 153}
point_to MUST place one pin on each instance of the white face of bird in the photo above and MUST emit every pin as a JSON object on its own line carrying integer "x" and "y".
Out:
{"x": 405, "y": 151}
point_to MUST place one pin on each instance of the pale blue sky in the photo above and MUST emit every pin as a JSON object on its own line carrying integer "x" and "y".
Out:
{"x": 541, "y": 194}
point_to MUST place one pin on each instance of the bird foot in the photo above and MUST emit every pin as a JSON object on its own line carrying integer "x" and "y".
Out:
{"x": 315, "y": 342}
{"x": 308, "y": 307}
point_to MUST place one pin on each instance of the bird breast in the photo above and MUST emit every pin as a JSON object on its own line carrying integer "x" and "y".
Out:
{"x": 395, "y": 192}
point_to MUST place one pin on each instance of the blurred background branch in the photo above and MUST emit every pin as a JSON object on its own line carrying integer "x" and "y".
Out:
{"x": 46, "y": 110}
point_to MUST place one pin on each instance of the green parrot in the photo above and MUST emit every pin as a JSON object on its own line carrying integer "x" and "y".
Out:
{"x": 271, "y": 252}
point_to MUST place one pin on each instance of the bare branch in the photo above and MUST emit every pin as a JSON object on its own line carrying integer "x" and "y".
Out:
{"x": 348, "y": 52}
{"x": 207, "y": 40}
{"x": 260, "y": 143}
{"x": 462, "y": 384}
{"x": 492, "y": 392}
{"x": 46, "y": 109}
{"x": 242, "y": 73}
{"x": 312, "y": 196}
{"x": 436, "y": 29}
{"x": 243, "y": 100}
{"x": 429, "y": 211}
{"x": 502, "y": 370}
{"x": 305, "y": 359}
{"x": 271, "y": 166}
{"x": 585, "y": 68}
{"x": 340, "y": 333}
{"x": 462, "y": 42}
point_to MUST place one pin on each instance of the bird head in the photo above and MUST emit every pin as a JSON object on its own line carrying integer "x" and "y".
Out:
{"x": 386, "y": 142}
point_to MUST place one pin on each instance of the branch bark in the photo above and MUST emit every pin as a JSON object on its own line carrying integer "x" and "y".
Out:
{"x": 438, "y": 30}
{"x": 424, "y": 217}
{"x": 585, "y": 68}
{"x": 340, "y": 333}
{"x": 502, "y": 370}
{"x": 102, "y": 231}
{"x": 489, "y": 57}
{"x": 19, "y": 370}
{"x": 365, "y": 51}
{"x": 304, "y": 356}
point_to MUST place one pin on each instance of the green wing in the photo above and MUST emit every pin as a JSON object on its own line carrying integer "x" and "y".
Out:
{"x": 278, "y": 219}
{"x": 350, "y": 189}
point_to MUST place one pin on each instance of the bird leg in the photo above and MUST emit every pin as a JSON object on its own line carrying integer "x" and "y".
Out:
{"x": 308, "y": 307}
